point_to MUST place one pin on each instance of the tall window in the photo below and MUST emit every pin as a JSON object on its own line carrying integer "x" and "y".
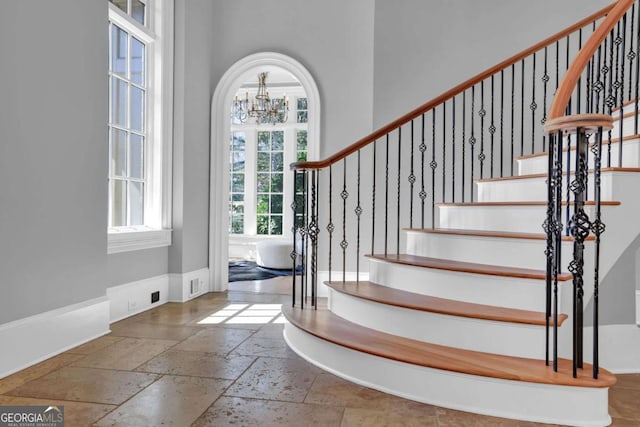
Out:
{"x": 259, "y": 185}
{"x": 137, "y": 139}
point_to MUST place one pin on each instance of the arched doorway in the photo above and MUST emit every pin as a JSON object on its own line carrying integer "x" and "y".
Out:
{"x": 242, "y": 71}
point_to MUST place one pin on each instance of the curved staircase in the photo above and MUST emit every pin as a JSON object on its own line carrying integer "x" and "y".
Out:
{"x": 483, "y": 311}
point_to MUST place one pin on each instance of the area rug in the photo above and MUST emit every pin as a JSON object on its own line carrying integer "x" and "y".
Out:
{"x": 240, "y": 271}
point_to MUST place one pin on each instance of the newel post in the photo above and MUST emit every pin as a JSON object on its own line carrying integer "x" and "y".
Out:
{"x": 588, "y": 129}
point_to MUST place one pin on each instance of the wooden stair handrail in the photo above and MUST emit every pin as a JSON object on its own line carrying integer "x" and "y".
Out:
{"x": 429, "y": 105}
{"x": 570, "y": 79}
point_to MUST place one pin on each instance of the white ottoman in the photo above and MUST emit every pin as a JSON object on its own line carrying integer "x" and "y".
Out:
{"x": 274, "y": 254}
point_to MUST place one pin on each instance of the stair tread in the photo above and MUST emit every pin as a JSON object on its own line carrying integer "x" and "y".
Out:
{"x": 399, "y": 298}
{"x": 487, "y": 233}
{"x": 544, "y": 175}
{"x": 466, "y": 267}
{"x": 327, "y": 326}
{"x": 525, "y": 203}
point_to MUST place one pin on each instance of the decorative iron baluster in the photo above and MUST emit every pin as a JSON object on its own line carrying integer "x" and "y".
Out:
{"x": 313, "y": 235}
{"x": 398, "y": 190}
{"x": 598, "y": 86}
{"x": 472, "y": 140}
{"x": 492, "y": 128}
{"x": 597, "y": 228}
{"x": 620, "y": 82}
{"x": 344, "y": 243}
{"x": 294, "y": 254}
{"x": 637, "y": 85}
{"x": 423, "y": 149}
{"x": 557, "y": 238}
{"x": 386, "y": 196}
{"x": 631, "y": 55}
{"x": 522, "y": 107}
{"x": 373, "y": 201}
{"x": 358, "y": 212}
{"x": 545, "y": 81}
{"x": 305, "y": 241}
{"x": 464, "y": 140}
{"x": 579, "y": 226}
{"x": 433, "y": 166}
{"x": 610, "y": 100}
{"x": 453, "y": 149}
{"x": 513, "y": 109}
{"x": 501, "y": 123}
{"x": 412, "y": 180}
{"x": 444, "y": 151}
{"x": 482, "y": 113}
{"x": 330, "y": 226}
{"x": 533, "y": 106}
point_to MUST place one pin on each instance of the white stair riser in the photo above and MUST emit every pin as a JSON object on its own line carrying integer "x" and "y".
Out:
{"x": 525, "y": 219}
{"x": 526, "y": 294}
{"x": 523, "y": 253}
{"x": 502, "y": 398}
{"x": 628, "y": 128}
{"x": 630, "y": 108}
{"x": 535, "y": 189}
{"x": 630, "y": 150}
{"x": 461, "y": 332}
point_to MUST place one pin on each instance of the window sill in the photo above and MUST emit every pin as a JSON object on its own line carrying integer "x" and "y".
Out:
{"x": 127, "y": 239}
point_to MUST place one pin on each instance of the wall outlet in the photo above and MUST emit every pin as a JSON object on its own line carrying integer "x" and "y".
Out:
{"x": 155, "y": 296}
{"x": 194, "y": 286}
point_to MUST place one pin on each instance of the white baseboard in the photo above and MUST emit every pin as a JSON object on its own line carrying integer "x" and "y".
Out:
{"x": 638, "y": 308}
{"x": 36, "y": 338}
{"x": 186, "y": 286}
{"x": 619, "y": 348}
{"x": 135, "y": 297}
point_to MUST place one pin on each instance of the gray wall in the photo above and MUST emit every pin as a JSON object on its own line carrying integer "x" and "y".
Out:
{"x": 423, "y": 48}
{"x": 53, "y": 155}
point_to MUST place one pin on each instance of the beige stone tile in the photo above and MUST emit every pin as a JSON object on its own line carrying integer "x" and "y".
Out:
{"x": 95, "y": 345}
{"x": 452, "y": 418}
{"x": 197, "y": 364}
{"x": 175, "y": 401}
{"x": 624, "y": 403}
{"x": 76, "y": 414}
{"x": 358, "y": 417}
{"x": 272, "y": 330}
{"x": 126, "y": 354}
{"x": 233, "y": 411}
{"x": 275, "y": 379}
{"x": 628, "y": 381}
{"x": 214, "y": 340}
{"x": 328, "y": 389}
{"x": 86, "y": 385}
{"x": 177, "y": 314}
{"x": 270, "y": 347}
{"x": 36, "y": 371}
{"x": 149, "y": 330}
{"x": 621, "y": 422}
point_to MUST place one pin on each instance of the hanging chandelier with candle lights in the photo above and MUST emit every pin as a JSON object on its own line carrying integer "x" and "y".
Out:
{"x": 262, "y": 108}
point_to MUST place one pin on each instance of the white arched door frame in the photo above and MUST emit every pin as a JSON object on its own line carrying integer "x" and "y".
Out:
{"x": 243, "y": 70}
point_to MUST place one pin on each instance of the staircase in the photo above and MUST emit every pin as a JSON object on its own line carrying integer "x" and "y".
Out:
{"x": 480, "y": 312}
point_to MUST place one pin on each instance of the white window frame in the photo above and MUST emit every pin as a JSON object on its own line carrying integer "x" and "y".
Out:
{"x": 158, "y": 38}
{"x": 251, "y": 129}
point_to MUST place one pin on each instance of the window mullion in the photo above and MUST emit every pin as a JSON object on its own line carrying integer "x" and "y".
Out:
{"x": 250, "y": 182}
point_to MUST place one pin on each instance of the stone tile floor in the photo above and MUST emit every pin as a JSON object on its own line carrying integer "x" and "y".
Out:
{"x": 220, "y": 360}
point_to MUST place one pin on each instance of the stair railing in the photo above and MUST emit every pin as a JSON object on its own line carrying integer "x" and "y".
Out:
{"x": 582, "y": 115}
{"x": 359, "y": 199}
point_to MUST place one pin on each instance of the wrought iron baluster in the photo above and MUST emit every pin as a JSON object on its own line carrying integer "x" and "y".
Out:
{"x": 610, "y": 99}
{"x": 373, "y": 200}
{"x": 358, "y": 212}
{"x": 386, "y": 196}
{"x": 305, "y": 240}
{"x": 472, "y": 140}
{"x": 423, "y": 149}
{"x": 412, "y": 180}
{"x": 580, "y": 227}
{"x": 637, "y": 72}
{"x": 492, "y": 127}
{"x": 513, "y": 109}
{"x": 557, "y": 240}
{"x": 398, "y": 190}
{"x": 545, "y": 81}
{"x": 620, "y": 82}
{"x": 433, "y": 166}
{"x": 330, "y": 226}
{"x": 501, "y": 123}
{"x": 631, "y": 55}
{"x": 522, "y": 107}
{"x": 453, "y": 149}
{"x": 344, "y": 243}
{"x": 597, "y": 227}
{"x": 294, "y": 254}
{"x": 533, "y": 106}
{"x": 464, "y": 141}
{"x": 482, "y": 113}
{"x": 313, "y": 234}
{"x": 444, "y": 150}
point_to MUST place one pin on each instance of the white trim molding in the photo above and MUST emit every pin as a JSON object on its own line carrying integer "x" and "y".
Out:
{"x": 638, "y": 308}
{"x": 126, "y": 239}
{"x": 187, "y": 286}
{"x": 135, "y": 297}
{"x": 244, "y": 70}
{"x": 36, "y": 338}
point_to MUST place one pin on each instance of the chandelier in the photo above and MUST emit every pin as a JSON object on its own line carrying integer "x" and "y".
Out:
{"x": 263, "y": 109}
